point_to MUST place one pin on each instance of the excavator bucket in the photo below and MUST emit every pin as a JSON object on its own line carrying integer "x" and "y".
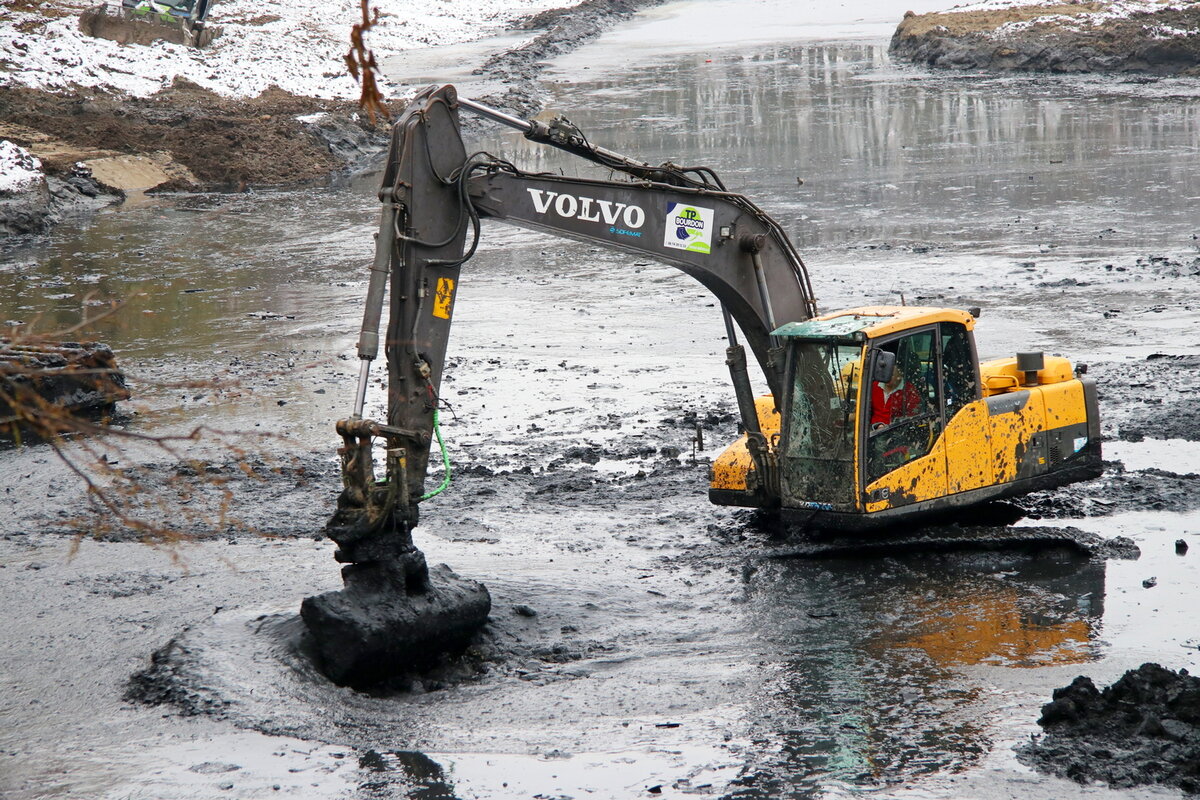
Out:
{"x": 147, "y": 21}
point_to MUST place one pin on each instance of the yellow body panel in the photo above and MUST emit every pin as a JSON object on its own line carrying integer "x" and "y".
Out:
{"x": 922, "y": 479}
{"x": 1011, "y": 433}
{"x": 984, "y": 447}
{"x": 731, "y": 468}
{"x": 968, "y": 449}
{"x": 894, "y": 319}
{"x": 1001, "y": 375}
{"x": 1064, "y": 403}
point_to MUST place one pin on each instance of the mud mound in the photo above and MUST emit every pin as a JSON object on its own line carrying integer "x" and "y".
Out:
{"x": 225, "y": 143}
{"x": 1144, "y": 729}
{"x": 1054, "y": 37}
{"x": 1152, "y": 398}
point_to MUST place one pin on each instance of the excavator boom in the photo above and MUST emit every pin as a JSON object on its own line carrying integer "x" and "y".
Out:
{"x": 434, "y": 196}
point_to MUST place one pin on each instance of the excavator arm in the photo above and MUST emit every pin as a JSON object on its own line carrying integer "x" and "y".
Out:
{"x": 434, "y": 196}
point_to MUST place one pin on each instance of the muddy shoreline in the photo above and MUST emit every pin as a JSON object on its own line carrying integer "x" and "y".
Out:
{"x": 186, "y": 138}
{"x": 1143, "y": 729}
{"x": 562, "y": 30}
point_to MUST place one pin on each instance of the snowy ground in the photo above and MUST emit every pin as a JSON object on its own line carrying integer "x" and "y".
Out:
{"x": 18, "y": 169}
{"x": 297, "y": 45}
{"x": 1085, "y": 17}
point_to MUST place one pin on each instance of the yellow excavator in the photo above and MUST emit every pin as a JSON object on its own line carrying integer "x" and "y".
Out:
{"x": 931, "y": 430}
{"x": 876, "y": 415}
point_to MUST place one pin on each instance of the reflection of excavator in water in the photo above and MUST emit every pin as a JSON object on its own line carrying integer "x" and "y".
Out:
{"x": 825, "y": 446}
{"x": 146, "y": 21}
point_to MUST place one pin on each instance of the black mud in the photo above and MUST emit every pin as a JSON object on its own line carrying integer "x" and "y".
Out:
{"x": 227, "y": 495}
{"x": 1154, "y": 398}
{"x": 70, "y": 192}
{"x": 1143, "y": 729}
{"x": 387, "y": 624}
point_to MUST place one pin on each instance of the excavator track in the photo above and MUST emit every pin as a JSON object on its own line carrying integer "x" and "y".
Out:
{"x": 953, "y": 539}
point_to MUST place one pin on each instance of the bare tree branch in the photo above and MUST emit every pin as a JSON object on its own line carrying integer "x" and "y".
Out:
{"x": 362, "y": 66}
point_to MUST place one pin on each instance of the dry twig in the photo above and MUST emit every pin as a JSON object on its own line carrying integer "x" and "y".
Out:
{"x": 361, "y": 63}
{"x": 160, "y": 504}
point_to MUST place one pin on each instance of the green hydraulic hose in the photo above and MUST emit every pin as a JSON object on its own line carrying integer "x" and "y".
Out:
{"x": 437, "y": 431}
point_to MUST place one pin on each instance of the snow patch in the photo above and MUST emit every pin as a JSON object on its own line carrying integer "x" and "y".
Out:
{"x": 1119, "y": 9}
{"x": 1081, "y": 22}
{"x": 18, "y": 167}
{"x": 1169, "y": 32}
{"x": 297, "y": 45}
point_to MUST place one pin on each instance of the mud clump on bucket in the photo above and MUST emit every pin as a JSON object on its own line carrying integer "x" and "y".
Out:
{"x": 369, "y": 632}
{"x": 1143, "y": 729}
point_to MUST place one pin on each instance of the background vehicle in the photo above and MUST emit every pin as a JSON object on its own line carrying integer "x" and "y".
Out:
{"x": 145, "y": 21}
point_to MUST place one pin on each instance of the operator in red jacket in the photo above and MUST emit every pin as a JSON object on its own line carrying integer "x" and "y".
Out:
{"x": 893, "y": 401}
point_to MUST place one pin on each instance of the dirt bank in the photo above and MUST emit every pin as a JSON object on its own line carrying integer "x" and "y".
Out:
{"x": 1143, "y": 729}
{"x": 95, "y": 147}
{"x": 189, "y": 138}
{"x": 223, "y": 143}
{"x": 1055, "y": 37}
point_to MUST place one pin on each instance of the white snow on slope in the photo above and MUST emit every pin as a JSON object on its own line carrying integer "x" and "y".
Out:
{"x": 298, "y": 45}
{"x": 18, "y": 168}
{"x": 1118, "y": 9}
{"x": 1115, "y": 9}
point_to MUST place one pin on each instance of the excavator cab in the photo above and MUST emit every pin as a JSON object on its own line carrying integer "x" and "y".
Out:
{"x": 887, "y": 414}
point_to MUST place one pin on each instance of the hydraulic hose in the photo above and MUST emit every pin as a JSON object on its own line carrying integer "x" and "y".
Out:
{"x": 437, "y": 431}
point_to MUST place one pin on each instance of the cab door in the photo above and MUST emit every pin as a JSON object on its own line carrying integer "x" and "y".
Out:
{"x": 904, "y": 457}
{"x": 968, "y": 439}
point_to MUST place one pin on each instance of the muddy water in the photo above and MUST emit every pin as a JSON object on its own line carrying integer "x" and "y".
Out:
{"x": 668, "y": 654}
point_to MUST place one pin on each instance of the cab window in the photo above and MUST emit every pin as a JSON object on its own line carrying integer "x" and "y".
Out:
{"x": 960, "y": 380}
{"x": 905, "y": 410}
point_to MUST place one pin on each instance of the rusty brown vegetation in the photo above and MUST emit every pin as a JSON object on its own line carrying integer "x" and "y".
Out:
{"x": 957, "y": 23}
{"x": 159, "y": 488}
{"x": 360, "y": 61}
